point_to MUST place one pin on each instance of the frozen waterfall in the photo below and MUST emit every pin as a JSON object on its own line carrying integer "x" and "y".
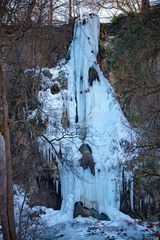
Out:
{"x": 96, "y": 154}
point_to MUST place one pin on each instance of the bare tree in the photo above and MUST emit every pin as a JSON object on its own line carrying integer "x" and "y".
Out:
{"x": 145, "y": 6}
{"x": 6, "y": 134}
{"x": 10, "y": 15}
{"x": 123, "y": 6}
{"x": 70, "y": 9}
{"x": 3, "y": 187}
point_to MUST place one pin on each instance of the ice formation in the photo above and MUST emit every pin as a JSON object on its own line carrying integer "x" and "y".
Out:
{"x": 95, "y": 115}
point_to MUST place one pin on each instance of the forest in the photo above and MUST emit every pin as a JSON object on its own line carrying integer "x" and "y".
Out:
{"x": 79, "y": 119}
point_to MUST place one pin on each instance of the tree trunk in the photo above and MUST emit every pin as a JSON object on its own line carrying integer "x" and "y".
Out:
{"x": 70, "y": 10}
{"x": 3, "y": 194}
{"x": 6, "y": 134}
{"x": 50, "y": 15}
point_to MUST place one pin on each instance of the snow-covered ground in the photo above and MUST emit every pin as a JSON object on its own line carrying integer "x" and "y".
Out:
{"x": 82, "y": 228}
{"x": 90, "y": 229}
{"x": 42, "y": 223}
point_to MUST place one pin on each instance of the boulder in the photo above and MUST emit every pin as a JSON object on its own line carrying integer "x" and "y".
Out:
{"x": 79, "y": 209}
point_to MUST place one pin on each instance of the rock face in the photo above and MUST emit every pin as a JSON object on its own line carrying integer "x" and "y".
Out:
{"x": 47, "y": 187}
{"x": 87, "y": 160}
{"x": 65, "y": 120}
{"x": 93, "y": 75}
{"x": 42, "y": 46}
{"x": 85, "y": 212}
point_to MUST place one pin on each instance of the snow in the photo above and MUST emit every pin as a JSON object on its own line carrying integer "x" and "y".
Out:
{"x": 94, "y": 110}
{"x": 91, "y": 229}
{"x": 49, "y": 224}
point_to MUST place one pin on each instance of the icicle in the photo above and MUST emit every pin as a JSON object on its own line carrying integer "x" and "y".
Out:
{"x": 140, "y": 205}
{"x": 54, "y": 184}
{"x": 131, "y": 193}
{"x": 57, "y": 185}
{"x": 49, "y": 158}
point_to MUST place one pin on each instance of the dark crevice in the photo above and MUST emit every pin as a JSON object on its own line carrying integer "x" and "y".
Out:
{"x": 47, "y": 194}
{"x": 76, "y": 118}
{"x": 58, "y": 196}
{"x": 93, "y": 76}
